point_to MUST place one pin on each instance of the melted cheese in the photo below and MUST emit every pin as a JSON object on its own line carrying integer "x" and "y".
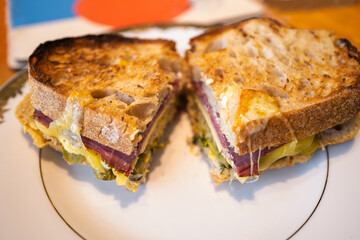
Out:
{"x": 253, "y": 105}
{"x": 241, "y": 179}
{"x": 90, "y": 156}
{"x": 210, "y": 125}
{"x": 154, "y": 127}
{"x": 298, "y": 147}
{"x": 67, "y": 128}
{"x": 121, "y": 179}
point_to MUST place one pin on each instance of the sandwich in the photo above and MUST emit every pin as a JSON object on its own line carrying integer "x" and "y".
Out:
{"x": 264, "y": 95}
{"x": 103, "y": 100}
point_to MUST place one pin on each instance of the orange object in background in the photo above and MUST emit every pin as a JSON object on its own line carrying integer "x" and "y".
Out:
{"x": 5, "y": 71}
{"x": 344, "y": 18}
{"x": 127, "y": 13}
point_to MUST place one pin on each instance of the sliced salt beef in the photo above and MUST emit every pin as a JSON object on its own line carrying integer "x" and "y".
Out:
{"x": 42, "y": 118}
{"x": 116, "y": 159}
{"x": 241, "y": 163}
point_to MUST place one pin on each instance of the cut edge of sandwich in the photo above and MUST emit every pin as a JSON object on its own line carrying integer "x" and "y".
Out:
{"x": 24, "y": 112}
{"x": 284, "y": 156}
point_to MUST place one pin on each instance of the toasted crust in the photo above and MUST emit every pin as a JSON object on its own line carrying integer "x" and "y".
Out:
{"x": 340, "y": 133}
{"x": 313, "y": 77}
{"x": 128, "y": 79}
{"x": 213, "y": 32}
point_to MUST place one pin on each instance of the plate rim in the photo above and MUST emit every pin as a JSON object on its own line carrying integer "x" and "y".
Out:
{"x": 291, "y": 236}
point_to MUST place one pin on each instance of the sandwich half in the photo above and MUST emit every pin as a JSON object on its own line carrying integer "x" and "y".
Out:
{"x": 264, "y": 95}
{"x": 103, "y": 100}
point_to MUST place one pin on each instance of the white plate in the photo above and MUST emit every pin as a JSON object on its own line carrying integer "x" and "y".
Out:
{"x": 44, "y": 198}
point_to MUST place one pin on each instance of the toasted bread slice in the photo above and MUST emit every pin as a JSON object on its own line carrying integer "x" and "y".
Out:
{"x": 104, "y": 100}
{"x": 128, "y": 80}
{"x": 272, "y": 84}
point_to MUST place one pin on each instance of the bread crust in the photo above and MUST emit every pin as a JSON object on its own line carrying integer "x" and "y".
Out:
{"x": 94, "y": 40}
{"x": 220, "y": 66}
{"x": 340, "y": 133}
{"x": 210, "y": 33}
{"x": 134, "y": 75}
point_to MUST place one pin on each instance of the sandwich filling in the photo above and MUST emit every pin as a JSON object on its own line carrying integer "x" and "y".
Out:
{"x": 245, "y": 166}
{"x": 107, "y": 162}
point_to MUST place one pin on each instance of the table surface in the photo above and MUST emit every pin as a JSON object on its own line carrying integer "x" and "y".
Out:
{"x": 345, "y": 20}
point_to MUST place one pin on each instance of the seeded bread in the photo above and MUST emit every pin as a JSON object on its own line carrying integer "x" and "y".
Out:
{"x": 128, "y": 79}
{"x": 313, "y": 77}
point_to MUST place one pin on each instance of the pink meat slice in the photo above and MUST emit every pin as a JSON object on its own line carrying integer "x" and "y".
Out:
{"x": 241, "y": 163}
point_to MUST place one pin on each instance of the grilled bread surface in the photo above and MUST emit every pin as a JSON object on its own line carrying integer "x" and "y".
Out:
{"x": 128, "y": 80}
{"x": 272, "y": 84}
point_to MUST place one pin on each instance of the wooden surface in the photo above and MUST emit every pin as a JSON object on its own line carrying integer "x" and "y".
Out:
{"x": 5, "y": 71}
{"x": 344, "y": 20}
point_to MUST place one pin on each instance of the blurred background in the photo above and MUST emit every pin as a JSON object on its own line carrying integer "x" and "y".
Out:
{"x": 26, "y": 23}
